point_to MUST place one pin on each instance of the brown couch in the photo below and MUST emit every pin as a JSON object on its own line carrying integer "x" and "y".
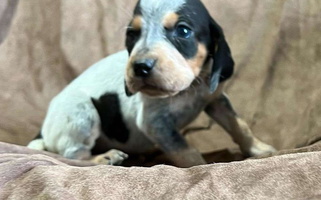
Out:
{"x": 276, "y": 86}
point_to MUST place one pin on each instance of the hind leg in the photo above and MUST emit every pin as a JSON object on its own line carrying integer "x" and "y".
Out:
{"x": 80, "y": 148}
{"x": 72, "y": 131}
{"x": 111, "y": 157}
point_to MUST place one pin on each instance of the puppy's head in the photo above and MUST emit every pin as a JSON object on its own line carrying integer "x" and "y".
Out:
{"x": 169, "y": 43}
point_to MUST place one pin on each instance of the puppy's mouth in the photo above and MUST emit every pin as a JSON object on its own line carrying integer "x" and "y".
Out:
{"x": 150, "y": 89}
{"x": 155, "y": 91}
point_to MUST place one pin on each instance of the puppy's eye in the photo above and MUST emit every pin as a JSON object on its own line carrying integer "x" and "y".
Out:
{"x": 183, "y": 31}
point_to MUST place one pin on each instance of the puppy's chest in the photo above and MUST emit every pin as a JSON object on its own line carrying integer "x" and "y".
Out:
{"x": 186, "y": 110}
{"x": 178, "y": 111}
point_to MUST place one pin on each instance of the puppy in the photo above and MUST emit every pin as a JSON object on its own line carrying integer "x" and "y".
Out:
{"x": 176, "y": 63}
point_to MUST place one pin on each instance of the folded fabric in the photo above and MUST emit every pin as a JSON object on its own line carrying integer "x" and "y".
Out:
{"x": 36, "y": 176}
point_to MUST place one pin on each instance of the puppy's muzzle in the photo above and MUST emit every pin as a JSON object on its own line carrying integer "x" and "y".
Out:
{"x": 143, "y": 67}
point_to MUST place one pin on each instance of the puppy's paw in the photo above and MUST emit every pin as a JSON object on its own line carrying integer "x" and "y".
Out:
{"x": 112, "y": 157}
{"x": 37, "y": 144}
{"x": 260, "y": 148}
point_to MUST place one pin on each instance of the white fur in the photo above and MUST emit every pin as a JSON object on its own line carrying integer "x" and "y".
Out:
{"x": 72, "y": 122}
{"x": 153, "y": 8}
{"x": 153, "y": 12}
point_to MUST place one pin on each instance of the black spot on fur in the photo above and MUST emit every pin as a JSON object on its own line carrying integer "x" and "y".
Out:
{"x": 112, "y": 124}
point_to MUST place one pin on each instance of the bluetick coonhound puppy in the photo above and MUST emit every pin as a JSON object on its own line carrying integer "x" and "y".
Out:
{"x": 176, "y": 62}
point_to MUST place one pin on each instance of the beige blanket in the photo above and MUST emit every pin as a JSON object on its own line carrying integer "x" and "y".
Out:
{"x": 276, "y": 45}
{"x": 35, "y": 176}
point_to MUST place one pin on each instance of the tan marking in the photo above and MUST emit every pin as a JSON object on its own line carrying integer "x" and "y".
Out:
{"x": 171, "y": 73}
{"x": 137, "y": 23}
{"x": 111, "y": 157}
{"x": 170, "y": 20}
{"x": 197, "y": 62}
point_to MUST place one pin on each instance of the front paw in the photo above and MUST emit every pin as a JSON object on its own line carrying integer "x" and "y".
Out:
{"x": 112, "y": 157}
{"x": 259, "y": 148}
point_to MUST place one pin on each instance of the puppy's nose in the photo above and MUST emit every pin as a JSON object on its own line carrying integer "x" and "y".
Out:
{"x": 142, "y": 68}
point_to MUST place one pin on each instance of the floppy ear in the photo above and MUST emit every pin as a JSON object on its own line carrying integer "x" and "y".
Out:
{"x": 223, "y": 64}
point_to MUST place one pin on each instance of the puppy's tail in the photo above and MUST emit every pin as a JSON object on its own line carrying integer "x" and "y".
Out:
{"x": 37, "y": 143}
